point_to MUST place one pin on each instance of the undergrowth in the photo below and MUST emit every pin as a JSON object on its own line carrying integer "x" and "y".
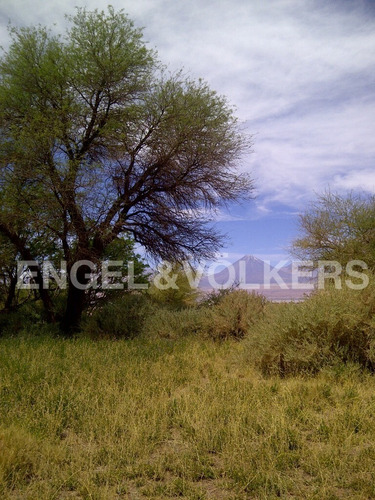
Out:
{"x": 209, "y": 401}
{"x": 186, "y": 418}
{"x": 331, "y": 326}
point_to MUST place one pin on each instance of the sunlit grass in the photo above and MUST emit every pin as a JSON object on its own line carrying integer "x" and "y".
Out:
{"x": 184, "y": 418}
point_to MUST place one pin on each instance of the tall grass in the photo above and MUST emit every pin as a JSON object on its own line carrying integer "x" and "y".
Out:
{"x": 220, "y": 317}
{"x": 209, "y": 402}
{"x": 186, "y": 418}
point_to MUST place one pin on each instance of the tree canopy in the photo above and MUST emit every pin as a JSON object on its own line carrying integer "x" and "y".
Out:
{"x": 98, "y": 142}
{"x": 340, "y": 228}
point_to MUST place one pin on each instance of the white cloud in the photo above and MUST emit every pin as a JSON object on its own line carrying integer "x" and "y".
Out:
{"x": 363, "y": 180}
{"x": 297, "y": 155}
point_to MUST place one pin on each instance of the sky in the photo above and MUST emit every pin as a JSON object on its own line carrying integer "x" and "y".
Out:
{"x": 301, "y": 76}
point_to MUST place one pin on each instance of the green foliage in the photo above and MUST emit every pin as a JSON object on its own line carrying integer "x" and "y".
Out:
{"x": 331, "y": 326}
{"x": 127, "y": 263}
{"x": 162, "y": 322}
{"x": 216, "y": 296}
{"x": 122, "y": 317}
{"x": 338, "y": 228}
{"x": 98, "y": 142}
{"x": 180, "y": 294}
{"x": 104, "y": 47}
{"x": 8, "y": 274}
{"x": 28, "y": 317}
{"x": 233, "y": 316}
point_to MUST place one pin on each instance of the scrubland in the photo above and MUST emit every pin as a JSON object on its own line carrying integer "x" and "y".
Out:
{"x": 235, "y": 398}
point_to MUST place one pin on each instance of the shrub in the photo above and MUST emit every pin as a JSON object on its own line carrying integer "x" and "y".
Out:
{"x": 165, "y": 323}
{"x": 229, "y": 317}
{"x": 183, "y": 295}
{"x": 21, "y": 319}
{"x": 119, "y": 318}
{"x": 216, "y": 296}
{"x": 232, "y": 315}
{"x": 331, "y": 326}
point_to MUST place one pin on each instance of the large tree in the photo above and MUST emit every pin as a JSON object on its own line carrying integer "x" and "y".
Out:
{"x": 98, "y": 141}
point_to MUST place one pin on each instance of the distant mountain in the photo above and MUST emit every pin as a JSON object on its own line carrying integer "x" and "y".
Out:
{"x": 247, "y": 271}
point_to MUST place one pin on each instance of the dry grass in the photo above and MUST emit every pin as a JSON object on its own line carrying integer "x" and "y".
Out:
{"x": 184, "y": 418}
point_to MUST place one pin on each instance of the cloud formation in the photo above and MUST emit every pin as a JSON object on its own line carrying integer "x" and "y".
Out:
{"x": 300, "y": 73}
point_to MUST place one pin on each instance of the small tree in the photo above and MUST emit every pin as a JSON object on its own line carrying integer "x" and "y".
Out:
{"x": 340, "y": 228}
{"x": 176, "y": 291}
{"x": 97, "y": 141}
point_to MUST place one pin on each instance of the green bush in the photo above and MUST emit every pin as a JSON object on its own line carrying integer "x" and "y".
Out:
{"x": 229, "y": 317}
{"x": 180, "y": 297}
{"x": 216, "y": 296}
{"x": 120, "y": 318}
{"x": 331, "y": 326}
{"x": 24, "y": 318}
{"x": 165, "y": 323}
{"x": 232, "y": 315}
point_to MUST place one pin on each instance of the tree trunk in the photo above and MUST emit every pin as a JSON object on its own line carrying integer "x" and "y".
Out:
{"x": 25, "y": 252}
{"x": 76, "y": 301}
{"x": 11, "y": 291}
{"x": 43, "y": 293}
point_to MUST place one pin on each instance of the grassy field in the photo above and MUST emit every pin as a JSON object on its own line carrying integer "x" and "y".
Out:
{"x": 186, "y": 418}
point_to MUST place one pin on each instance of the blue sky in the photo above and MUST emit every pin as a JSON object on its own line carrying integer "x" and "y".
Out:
{"x": 301, "y": 75}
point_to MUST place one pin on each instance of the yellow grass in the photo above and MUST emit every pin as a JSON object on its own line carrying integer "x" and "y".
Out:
{"x": 185, "y": 418}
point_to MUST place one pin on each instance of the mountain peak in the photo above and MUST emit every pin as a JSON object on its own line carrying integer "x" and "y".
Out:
{"x": 248, "y": 269}
{"x": 249, "y": 258}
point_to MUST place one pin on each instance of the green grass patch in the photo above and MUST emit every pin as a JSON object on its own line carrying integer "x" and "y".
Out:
{"x": 183, "y": 418}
